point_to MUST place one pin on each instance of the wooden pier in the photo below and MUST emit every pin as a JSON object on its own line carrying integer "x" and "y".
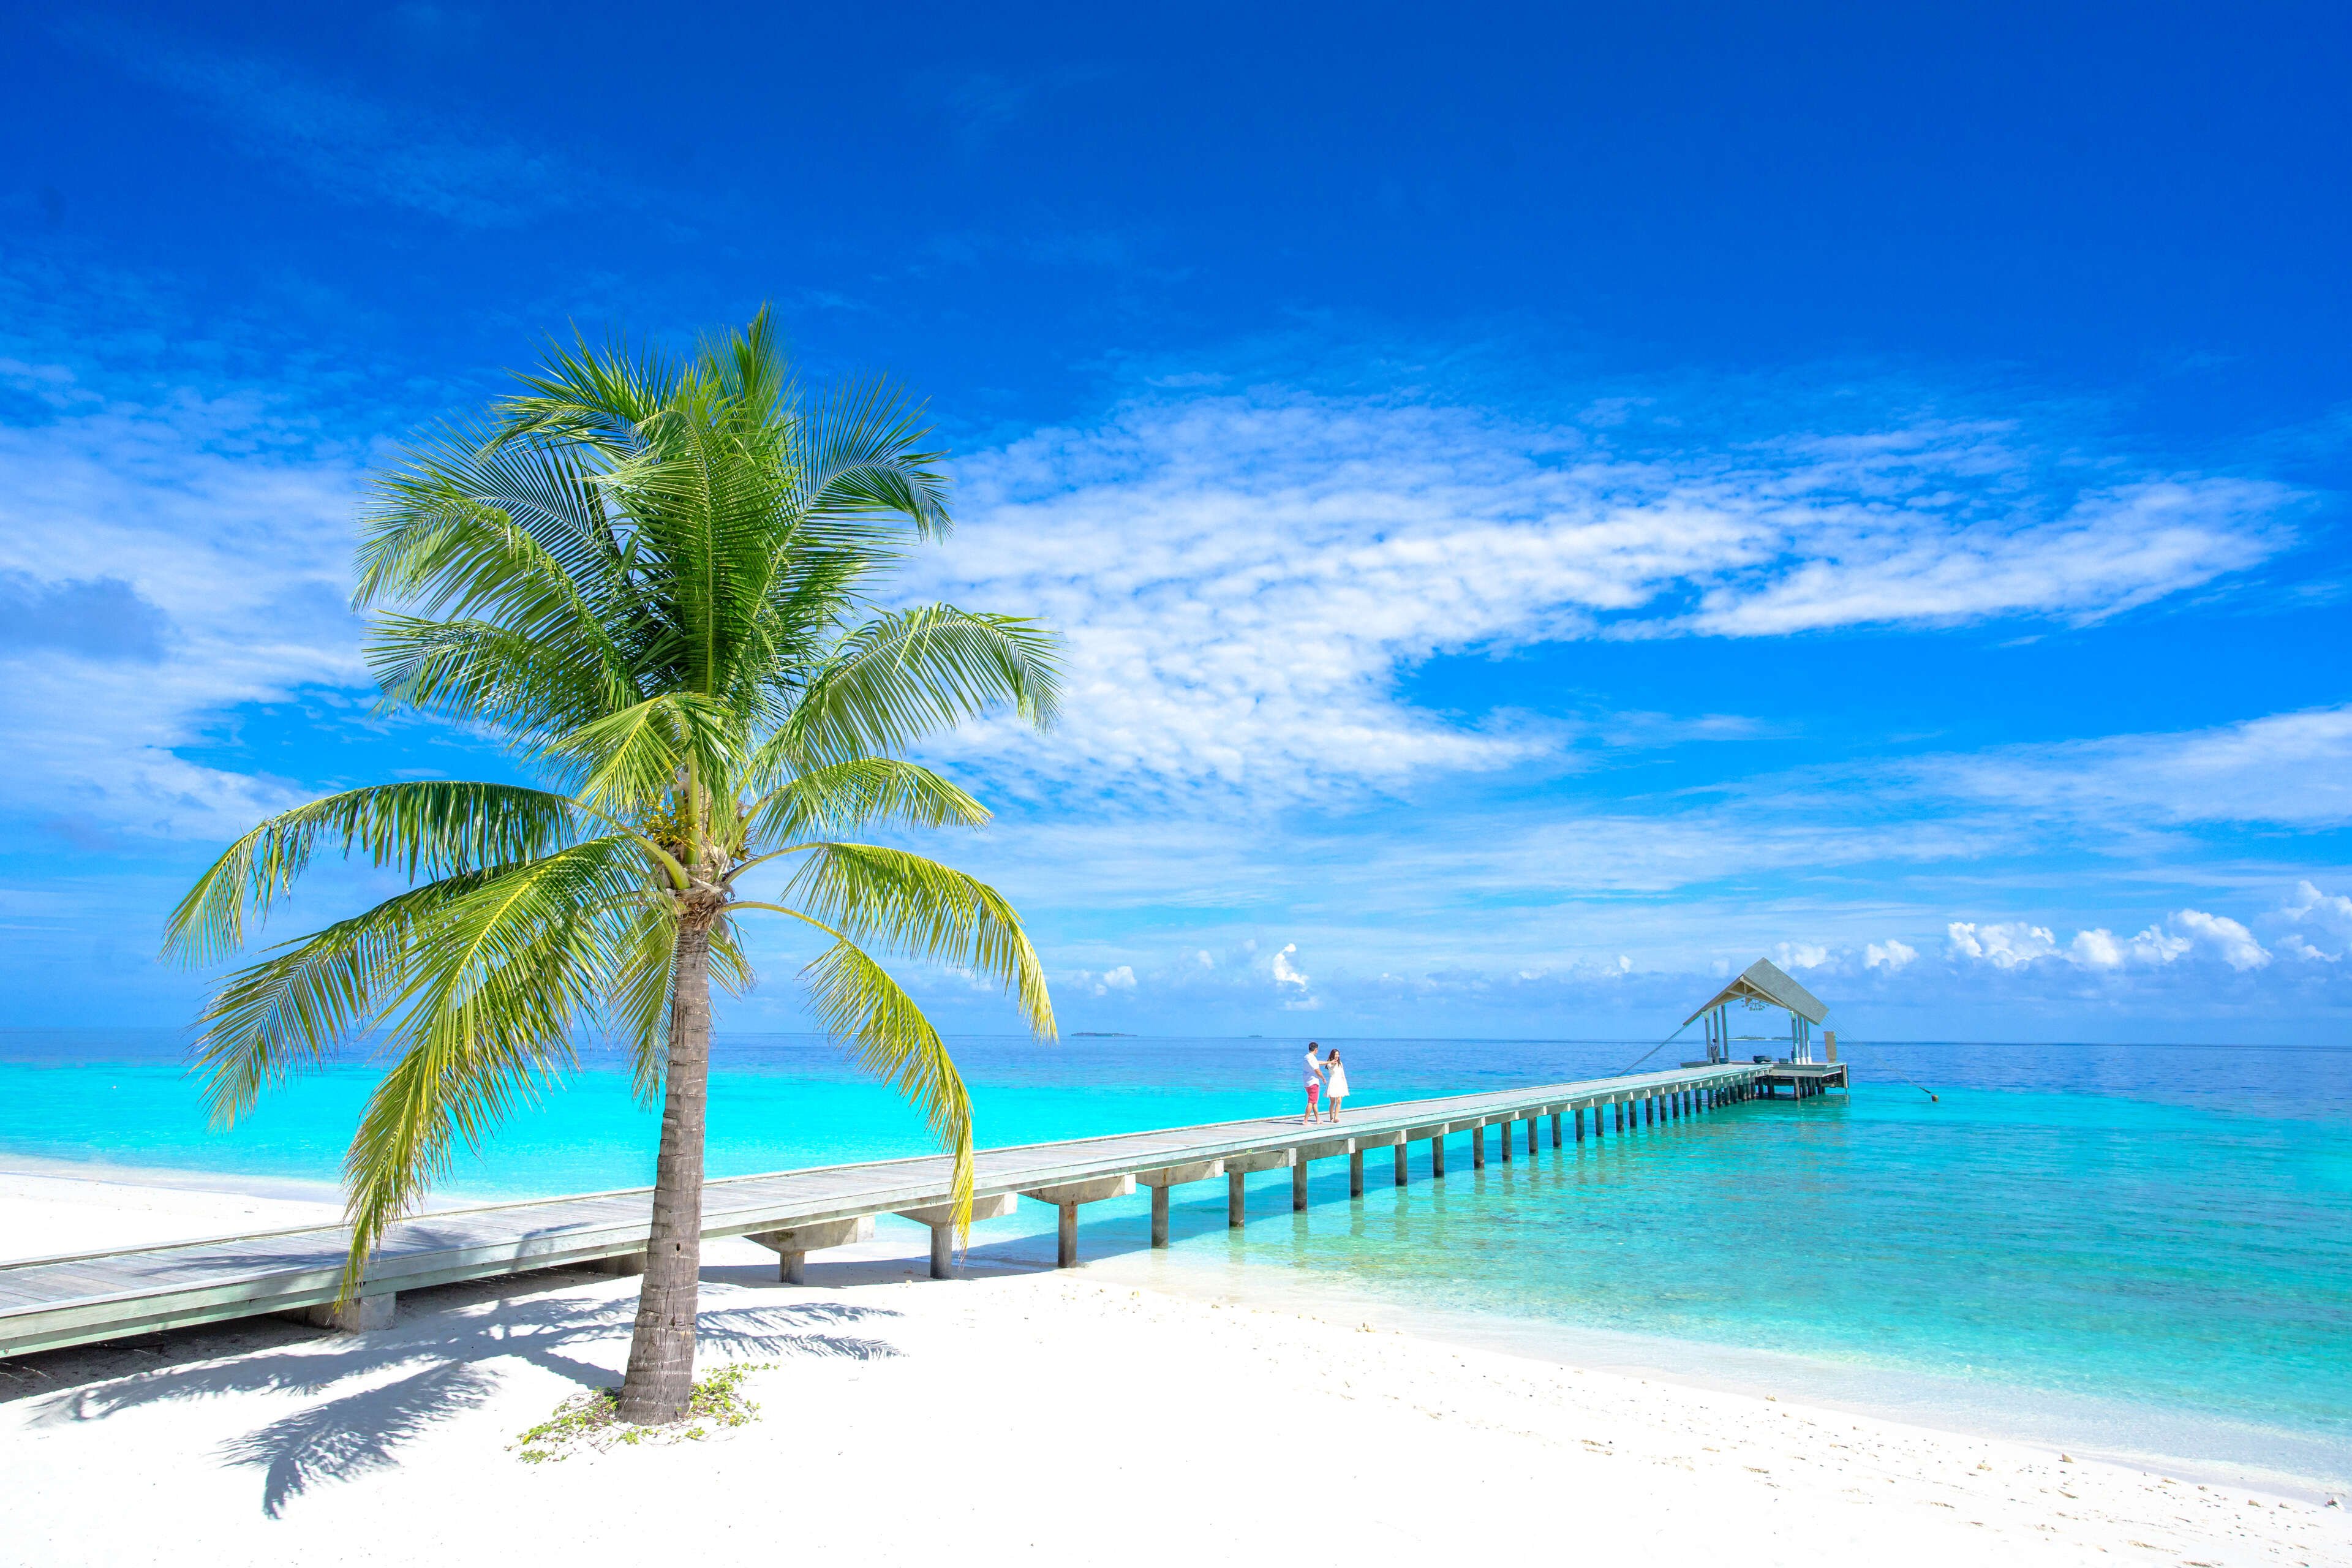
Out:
{"x": 49, "y": 1302}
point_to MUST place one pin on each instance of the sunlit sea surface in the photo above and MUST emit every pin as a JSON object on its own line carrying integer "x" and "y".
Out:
{"x": 2146, "y": 1250}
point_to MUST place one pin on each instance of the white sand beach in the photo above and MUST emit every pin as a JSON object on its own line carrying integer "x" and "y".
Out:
{"x": 1055, "y": 1417}
{"x": 50, "y": 1209}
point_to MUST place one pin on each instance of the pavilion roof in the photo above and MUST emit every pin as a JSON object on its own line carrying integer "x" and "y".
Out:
{"x": 1765, "y": 981}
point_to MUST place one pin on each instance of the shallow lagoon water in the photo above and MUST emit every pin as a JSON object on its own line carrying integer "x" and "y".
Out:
{"x": 2153, "y": 1240}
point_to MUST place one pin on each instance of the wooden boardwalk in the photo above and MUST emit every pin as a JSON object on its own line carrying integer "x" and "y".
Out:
{"x": 49, "y": 1302}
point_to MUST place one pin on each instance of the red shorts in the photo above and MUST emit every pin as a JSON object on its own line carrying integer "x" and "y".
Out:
{"x": 1314, "y": 1091}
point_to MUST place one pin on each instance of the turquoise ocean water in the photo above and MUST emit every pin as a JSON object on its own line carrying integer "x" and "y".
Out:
{"x": 2148, "y": 1247}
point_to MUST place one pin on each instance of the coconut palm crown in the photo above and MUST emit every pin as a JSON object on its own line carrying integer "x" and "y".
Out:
{"x": 653, "y": 580}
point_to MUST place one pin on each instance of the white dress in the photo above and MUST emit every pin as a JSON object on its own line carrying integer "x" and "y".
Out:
{"x": 1336, "y": 1084}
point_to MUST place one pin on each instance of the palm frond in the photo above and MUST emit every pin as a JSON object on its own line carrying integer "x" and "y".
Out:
{"x": 602, "y": 397}
{"x": 630, "y": 760}
{"x": 429, "y": 827}
{"x": 866, "y": 457}
{"x": 905, "y": 675}
{"x": 292, "y": 1009}
{"x": 907, "y": 903}
{"x": 497, "y": 982}
{"x": 856, "y": 1002}
{"x": 856, "y": 796}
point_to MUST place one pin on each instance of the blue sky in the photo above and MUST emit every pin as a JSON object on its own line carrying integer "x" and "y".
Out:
{"x": 1546, "y": 505}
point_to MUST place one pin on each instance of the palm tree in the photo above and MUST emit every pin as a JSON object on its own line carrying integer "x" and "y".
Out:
{"x": 652, "y": 580}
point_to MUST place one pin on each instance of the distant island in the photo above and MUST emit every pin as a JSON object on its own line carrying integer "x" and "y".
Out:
{"x": 1100, "y": 1035}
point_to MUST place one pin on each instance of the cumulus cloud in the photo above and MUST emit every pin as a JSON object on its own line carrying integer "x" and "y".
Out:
{"x": 2233, "y": 943}
{"x": 1243, "y": 580}
{"x": 2002, "y": 946}
{"x": 2185, "y": 931}
{"x": 2312, "y": 913}
{"x": 1285, "y": 972}
{"x": 1891, "y": 955}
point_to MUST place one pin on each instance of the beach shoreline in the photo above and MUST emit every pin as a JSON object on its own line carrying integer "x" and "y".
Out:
{"x": 68, "y": 1207}
{"x": 1101, "y": 1326}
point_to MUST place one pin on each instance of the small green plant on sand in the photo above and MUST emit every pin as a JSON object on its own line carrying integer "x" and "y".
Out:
{"x": 592, "y": 1420}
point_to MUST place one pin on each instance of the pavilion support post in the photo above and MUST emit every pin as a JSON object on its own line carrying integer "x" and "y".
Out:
{"x": 1159, "y": 1217}
{"x": 1400, "y": 1165}
{"x": 1356, "y": 1173}
{"x": 1065, "y": 1245}
{"x": 1555, "y": 1129}
{"x": 1618, "y": 1108}
{"x": 1578, "y": 1114}
{"x": 1502, "y": 1139}
{"x": 1234, "y": 1199}
{"x": 1437, "y": 1157}
{"x": 1531, "y": 1135}
{"x": 1477, "y": 1148}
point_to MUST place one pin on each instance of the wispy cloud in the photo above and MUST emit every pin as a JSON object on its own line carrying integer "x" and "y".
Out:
{"x": 168, "y": 561}
{"x": 1243, "y": 579}
{"x": 2292, "y": 769}
{"x": 353, "y": 147}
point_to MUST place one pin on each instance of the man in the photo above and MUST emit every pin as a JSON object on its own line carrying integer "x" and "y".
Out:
{"x": 1314, "y": 1084}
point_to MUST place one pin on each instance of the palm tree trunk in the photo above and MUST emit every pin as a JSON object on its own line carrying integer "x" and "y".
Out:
{"x": 660, "y": 1377}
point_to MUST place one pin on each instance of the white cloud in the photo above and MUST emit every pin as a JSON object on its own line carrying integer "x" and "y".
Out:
{"x": 2016, "y": 945}
{"x": 2233, "y": 943}
{"x": 1120, "y": 979}
{"x": 2294, "y": 768}
{"x": 1891, "y": 955}
{"x": 2326, "y": 915}
{"x": 1285, "y": 972}
{"x": 1243, "y": 581}
{"x": 2002, "y": 946}
{"x": 1802, "y": 955}
{"x": 229, "y": 539}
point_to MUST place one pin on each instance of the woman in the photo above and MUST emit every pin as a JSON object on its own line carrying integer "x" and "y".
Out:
{"x": 1335, "y": 1088}
{"x": 1314, "y": 1083}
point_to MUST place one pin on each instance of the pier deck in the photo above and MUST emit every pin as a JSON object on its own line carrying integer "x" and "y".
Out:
{"x": 49, "y": 1302}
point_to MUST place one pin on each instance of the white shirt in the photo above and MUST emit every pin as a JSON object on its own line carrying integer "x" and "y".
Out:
{"x": 1313, "y": 1068}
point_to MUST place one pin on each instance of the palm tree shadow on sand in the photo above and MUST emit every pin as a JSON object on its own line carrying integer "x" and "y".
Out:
{"x": 357, "y": 1430}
